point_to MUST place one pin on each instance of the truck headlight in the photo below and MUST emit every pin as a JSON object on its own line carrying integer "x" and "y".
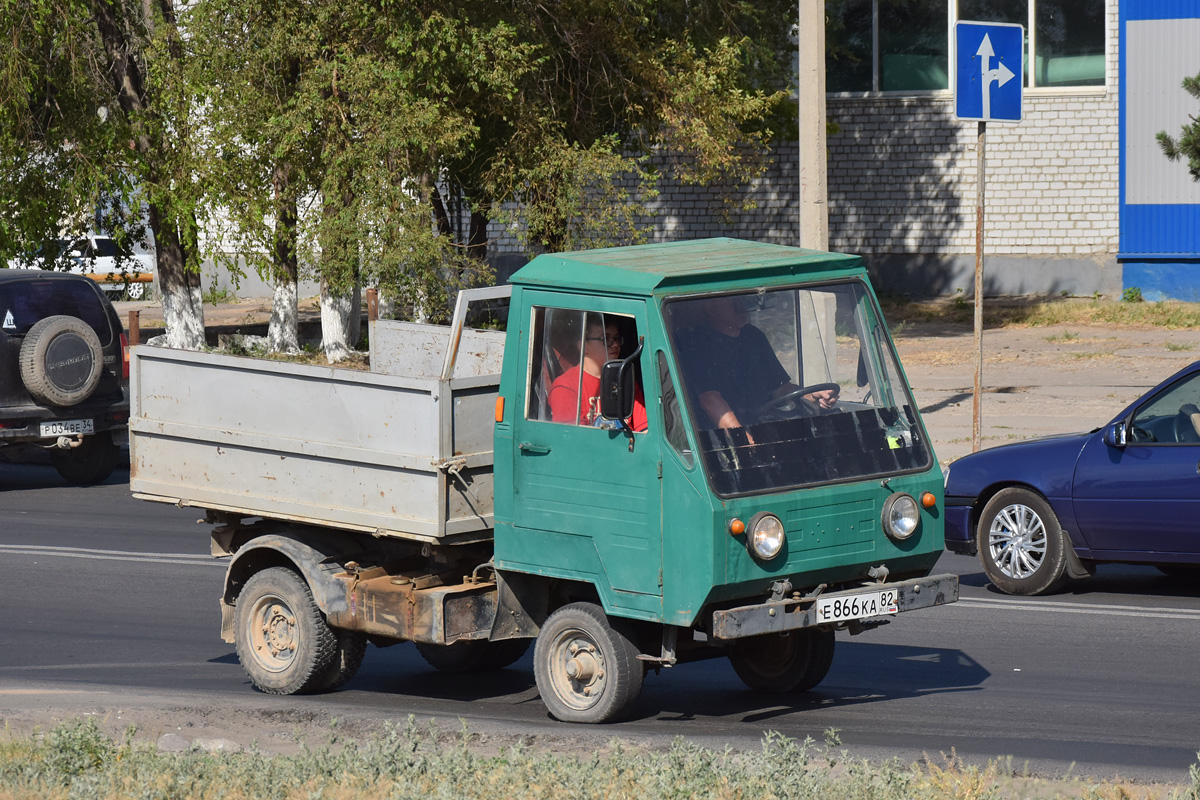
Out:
{"x": 900, "y": 516}
{"x": 766, "y": 536}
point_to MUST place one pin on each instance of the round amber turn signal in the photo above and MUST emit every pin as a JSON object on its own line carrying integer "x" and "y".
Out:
{"x": 737, "y": 527}
{"x": 928, "y": 500}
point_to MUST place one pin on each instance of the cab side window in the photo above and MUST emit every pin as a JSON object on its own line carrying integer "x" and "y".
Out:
{"x": 556, "y": 351}
{"x": 672, "y": 420}
{"x": 568, "y": 348}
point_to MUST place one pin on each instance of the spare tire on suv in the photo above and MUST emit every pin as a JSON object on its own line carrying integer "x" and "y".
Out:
{"x": 63, "y": 369}
{"x": 61, "y": 361}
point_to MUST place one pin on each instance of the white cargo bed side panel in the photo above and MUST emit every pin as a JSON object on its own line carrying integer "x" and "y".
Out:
{"x": 328, "y": 446}
{"x": 418, "y": 350}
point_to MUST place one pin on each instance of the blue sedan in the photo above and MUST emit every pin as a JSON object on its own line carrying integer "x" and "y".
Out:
{"x": 1042, "y": 512}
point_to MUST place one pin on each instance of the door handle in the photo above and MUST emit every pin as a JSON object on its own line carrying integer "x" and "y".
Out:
{"x": 533, "y": 449}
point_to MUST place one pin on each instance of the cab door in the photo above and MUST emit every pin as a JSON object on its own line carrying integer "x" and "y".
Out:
{"x": 586, "y": 497}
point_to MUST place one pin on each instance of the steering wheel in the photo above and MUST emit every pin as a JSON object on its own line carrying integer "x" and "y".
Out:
{"x": 1185, "y": 428}
{"x": 782, "y": 407}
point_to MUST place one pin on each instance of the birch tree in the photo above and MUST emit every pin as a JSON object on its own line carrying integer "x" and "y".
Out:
{"x": 95, "y": 104}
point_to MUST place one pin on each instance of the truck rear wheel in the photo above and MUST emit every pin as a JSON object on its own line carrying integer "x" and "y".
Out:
{"x": 785, "y": 662}
{"x": 473, "y": 655}
{"x": 283, "y": 641}
{"x": 587, "y": 666}
{"x": 351, "y": 649}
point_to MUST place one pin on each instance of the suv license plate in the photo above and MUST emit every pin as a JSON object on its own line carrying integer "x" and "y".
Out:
{"x": 856, "y": 606}
{"x": 65, "y": 427}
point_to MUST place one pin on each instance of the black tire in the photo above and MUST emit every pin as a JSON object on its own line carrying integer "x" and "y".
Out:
{"x": 91, "y": 462}
{"x": 473, "y": 655}
{"x": 351, "y": 649}
{"x": 283, "y": 641}
{"x": 789, "y": 662}
{"x": 1021, "y": 545}
{"x": 586, "y": 666}
{"x": 61, "y": 361}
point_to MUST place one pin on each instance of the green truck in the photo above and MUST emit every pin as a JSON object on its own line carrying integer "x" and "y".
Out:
{"x": 672, "y": 452}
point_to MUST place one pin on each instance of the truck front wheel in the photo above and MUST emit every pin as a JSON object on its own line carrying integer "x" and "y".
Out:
{"x": 789, "y": 662}
{"x": 587, "y": 666}
{"x": 283, "y": 641}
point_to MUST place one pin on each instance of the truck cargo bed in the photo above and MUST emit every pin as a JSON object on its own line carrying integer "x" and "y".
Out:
{"x": 393, "y": 455}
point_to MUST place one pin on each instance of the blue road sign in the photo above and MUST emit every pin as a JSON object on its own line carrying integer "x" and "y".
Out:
{"x": 989, "y": 75}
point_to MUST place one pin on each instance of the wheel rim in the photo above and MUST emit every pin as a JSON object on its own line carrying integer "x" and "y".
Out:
{"x": 1017, "y": 541}
{"x": 273, "y": 633}
{"x": 135, "y": 291}
{"x": 577, "y": 669}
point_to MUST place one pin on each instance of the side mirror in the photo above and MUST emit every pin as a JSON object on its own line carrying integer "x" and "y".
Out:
{"x": 616, "y": 390}
{"x": 1114, "y": 434}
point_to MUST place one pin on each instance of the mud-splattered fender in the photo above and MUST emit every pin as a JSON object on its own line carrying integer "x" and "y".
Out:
{"x": 314, "y": 556}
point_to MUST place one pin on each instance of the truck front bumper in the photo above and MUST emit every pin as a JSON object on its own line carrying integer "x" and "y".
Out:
{"x": 789, "y": 614}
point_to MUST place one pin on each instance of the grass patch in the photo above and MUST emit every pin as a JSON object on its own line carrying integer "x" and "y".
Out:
{"x": 1040, "y": 313}
{"x": 1179, "y": 346}
{"x": 76, "y": 760}
{"x": 1065, "y": 336}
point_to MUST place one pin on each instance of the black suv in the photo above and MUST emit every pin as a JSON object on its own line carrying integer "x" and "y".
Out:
{"x": 64, "y": 361}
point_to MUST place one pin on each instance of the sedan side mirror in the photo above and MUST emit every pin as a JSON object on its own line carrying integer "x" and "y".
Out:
{"x": 1114, "y": 434}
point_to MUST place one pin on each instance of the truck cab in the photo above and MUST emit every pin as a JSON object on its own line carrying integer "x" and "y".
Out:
{"x": 773, "y": 461}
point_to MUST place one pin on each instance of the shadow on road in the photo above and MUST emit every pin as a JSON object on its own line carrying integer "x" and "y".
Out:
{"x": 16, "y": 477}
{"x": 862, "y": 673}
{"x": 1111, "y": 581}
{"x": 890, "y": 671}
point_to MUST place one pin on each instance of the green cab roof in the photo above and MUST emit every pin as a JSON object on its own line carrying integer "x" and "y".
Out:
{"x": 696, "y": 264}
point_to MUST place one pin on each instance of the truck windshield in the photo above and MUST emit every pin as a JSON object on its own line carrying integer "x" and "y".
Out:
{"x": 793, "y": 387}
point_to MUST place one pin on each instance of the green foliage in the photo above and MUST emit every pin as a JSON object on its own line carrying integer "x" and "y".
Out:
{"x": 371, "y": 143}
{"x": 1188, "y": 144}
{"x": 215, "y": 294}
{"x": 76, "y": 761}
{"x": 1132, "y": 295}
{"x": 699, "y": 84}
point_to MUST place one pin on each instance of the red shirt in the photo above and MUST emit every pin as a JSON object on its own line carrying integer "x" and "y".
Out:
{"x": 564, "y": 407}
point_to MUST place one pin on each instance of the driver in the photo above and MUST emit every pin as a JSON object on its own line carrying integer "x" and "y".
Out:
{"x": 735, "y": 370}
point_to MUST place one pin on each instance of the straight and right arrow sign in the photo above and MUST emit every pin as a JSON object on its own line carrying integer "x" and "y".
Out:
{"x": 988, "y": 71}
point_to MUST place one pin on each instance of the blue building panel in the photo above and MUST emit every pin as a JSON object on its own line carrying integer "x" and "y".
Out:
{"x": 1159, "y": 202}
{"x": 1160, "y": 231}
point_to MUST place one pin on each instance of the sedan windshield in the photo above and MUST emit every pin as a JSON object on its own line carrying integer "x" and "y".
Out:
{"x": 793, "y": 387}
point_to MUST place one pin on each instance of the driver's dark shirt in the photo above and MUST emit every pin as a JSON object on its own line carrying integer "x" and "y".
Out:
{"x": 743, "y": 369}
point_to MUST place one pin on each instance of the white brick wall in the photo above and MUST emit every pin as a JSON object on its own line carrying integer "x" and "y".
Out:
{"x": 902, "y": 175}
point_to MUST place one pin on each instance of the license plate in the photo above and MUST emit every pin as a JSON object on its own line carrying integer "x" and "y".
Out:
{"x": 857, "y": 606}
{"x": 66, "y": 427}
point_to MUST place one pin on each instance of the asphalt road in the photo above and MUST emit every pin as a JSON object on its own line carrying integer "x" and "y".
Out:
{"x": 110, "y": 608}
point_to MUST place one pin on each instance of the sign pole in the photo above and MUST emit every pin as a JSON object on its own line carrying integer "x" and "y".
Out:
{"x": 985, "y": 89}
{"x": 976, "y": 406}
